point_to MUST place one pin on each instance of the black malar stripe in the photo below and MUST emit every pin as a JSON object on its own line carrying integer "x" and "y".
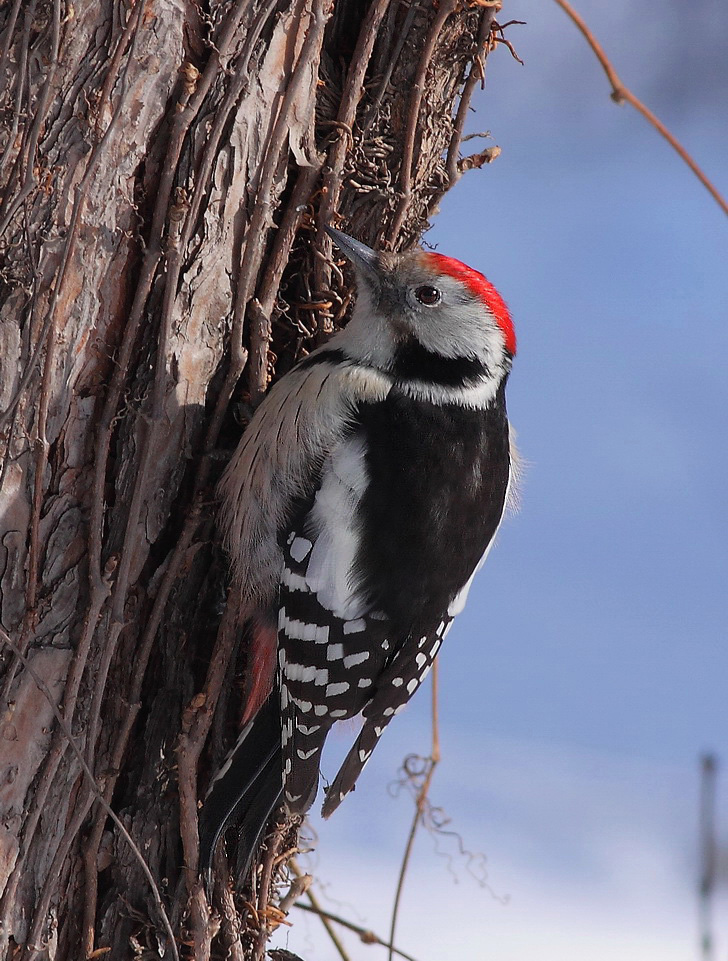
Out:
{"x": 412, "y": 361}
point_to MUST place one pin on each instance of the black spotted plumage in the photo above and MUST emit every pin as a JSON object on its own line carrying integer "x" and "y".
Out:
{"x": 344, "y": 666}
{"x": 437, "y": 481}
{"x": 360, "y": 502}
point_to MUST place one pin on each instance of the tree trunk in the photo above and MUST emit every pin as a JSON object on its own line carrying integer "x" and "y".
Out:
{"x": 166, "y": 172}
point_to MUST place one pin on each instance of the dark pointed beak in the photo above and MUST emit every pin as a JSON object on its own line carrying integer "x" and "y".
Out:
{"x": 363, "y": 257}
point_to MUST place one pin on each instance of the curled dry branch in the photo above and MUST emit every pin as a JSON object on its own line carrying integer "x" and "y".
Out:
{"x": 420, "y": 804}
{"x": 366, "y": 935}
{"x": 622, "y": 94}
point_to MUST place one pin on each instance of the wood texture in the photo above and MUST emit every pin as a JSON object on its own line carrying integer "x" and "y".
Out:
{"x": 166, "y": 170}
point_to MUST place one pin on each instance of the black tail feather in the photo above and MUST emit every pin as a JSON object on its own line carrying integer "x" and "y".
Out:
{"x": 353, "y": 765}
{"x": 245, "y": 792}
{"x": 265, "y": 796}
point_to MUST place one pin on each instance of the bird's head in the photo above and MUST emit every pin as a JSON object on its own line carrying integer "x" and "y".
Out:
{"x": 423, "y": 300}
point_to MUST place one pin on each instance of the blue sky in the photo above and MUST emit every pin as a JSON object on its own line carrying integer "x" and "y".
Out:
{"x": 589, "y": 668}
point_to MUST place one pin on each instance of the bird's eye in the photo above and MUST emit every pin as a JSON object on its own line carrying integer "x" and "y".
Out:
{"x": 427, "y": 295}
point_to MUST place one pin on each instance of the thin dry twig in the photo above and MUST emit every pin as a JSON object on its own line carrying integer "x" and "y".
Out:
{"x": 391, "y": 64}
{"x": 316, "y": 906}
{"x": 240, "y": 82}
{"x": 271, "y": 164}
{"x": 352, "y": 93}
{"x": 43, "y": 688}
{"x": 432, "y": 763}
{"x": 477, "y": 71}
{"x": 497, "y": 36}
{"x": 9, "y": 30}
{"x": 11, "y": 203}
{"x": 366, "y": 936}
{"x": 196, "y": 722}
{"x": 261, "y": 307}
{"x": 20, "y": 78}
{"x": 264, "y": 907}
{"x": 620, "y": 93}
{"x": 446, "y": 8}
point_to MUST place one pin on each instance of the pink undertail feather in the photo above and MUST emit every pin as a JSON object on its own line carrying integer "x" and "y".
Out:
{"x": 261, "y": 668}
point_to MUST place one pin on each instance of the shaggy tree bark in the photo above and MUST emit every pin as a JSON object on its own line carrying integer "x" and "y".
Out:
{"x": 167, "y": 169}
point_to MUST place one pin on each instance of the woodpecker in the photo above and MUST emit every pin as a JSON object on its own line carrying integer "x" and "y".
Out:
{"x": 364, "y": 496}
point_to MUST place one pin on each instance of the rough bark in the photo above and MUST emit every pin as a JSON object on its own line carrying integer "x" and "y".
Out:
{"x": 166, "y": 171}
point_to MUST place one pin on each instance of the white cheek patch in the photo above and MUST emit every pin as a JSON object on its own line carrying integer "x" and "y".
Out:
{"x": 462, "y": 326}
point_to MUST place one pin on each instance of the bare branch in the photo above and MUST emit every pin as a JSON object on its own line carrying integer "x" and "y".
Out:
{"x": 366, "y": 936}
{"x": 445, "y": 9}
{"x": 620, "y": 93}
{"x": 420, "y": 804}
{"x": 316, "y": 907}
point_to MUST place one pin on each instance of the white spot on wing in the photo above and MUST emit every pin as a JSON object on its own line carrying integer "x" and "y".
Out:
{"x": 294, "y": 582}
{"x": 300, "y": 631}
{"x": 338, "y": 688}
{"x": 308, "y": 730}
{"x": 300, "y": 549}
{"x": 301, "y": 672}
{"x": 352, "y": 659}
{"x": 354, "y": 627}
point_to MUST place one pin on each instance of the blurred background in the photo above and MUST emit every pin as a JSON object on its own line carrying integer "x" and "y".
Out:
{"x": 589, "y": 670}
